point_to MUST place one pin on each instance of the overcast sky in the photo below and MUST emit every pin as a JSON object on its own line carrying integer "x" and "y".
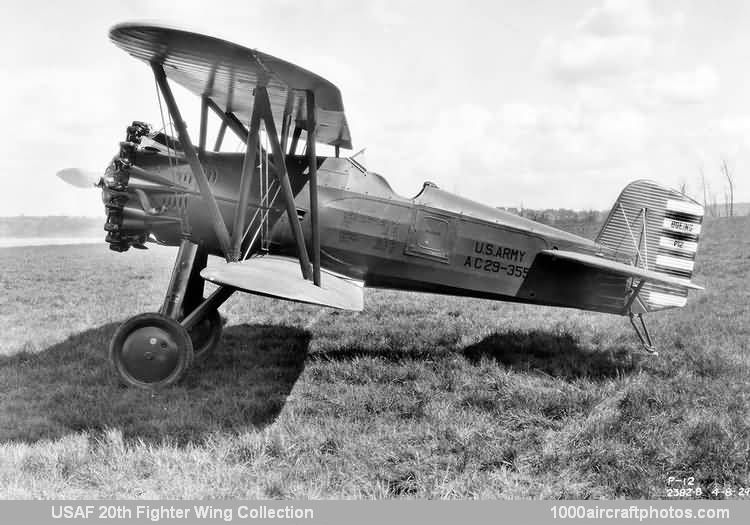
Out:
{"x": 545, "y": 103}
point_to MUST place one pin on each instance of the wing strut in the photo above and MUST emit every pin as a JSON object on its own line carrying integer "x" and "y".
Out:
{"x": 220, "y": 136}
{"x": 262, "y": 111}
{"x": 228, "y": 120}
{"x": 204, "y": 125}
{"x": 231, "y": 246}
{"x": 261, "y": 99}
{"x": 313, "y": 170}
{"x": 287, "y": 122}
{"x": 248, "y": 170}
{"x": 295, "y": 139}
{"x": 220, "y": 227}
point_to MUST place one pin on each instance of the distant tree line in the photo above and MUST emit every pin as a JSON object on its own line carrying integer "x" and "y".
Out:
{"x": 51, "y": 226}
{"x": 581, "y": 222}
{"x": 587, "y": 223}
{"x": 560, "y": 215}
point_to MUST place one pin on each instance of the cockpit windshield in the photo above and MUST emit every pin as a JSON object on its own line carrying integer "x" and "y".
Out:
{"x": 359, "y": 159}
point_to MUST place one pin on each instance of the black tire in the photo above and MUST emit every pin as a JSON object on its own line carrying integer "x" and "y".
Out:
{"x": 206, "y": 335}
{"x": 151, "y": 351}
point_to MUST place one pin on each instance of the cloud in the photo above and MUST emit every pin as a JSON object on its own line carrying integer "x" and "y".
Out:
{"x": 498, "y": 156}
{"x": 386, "y": 14}
{"x": 614, "y": 38}
{"x": 627, "y": 100}
{"x": 622, "y": 17}
{"x": 587, "y": 57}
{"x": 733, "y": 132}
{"x": 738, "y": 125}
{"x": 686, "y": 86}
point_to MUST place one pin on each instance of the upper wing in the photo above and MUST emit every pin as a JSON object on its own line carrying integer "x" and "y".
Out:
{"x": 227, "y": 73}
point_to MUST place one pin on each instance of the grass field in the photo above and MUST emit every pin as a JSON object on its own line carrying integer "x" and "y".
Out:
{"x": 419, "y": 396}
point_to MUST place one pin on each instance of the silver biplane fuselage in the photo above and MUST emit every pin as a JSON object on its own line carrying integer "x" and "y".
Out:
{"x": 435, "y": 242}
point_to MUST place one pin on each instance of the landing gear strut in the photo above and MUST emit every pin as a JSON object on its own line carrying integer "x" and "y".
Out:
{"x": 154, "y": 350}
{"x": 206, "y": 334}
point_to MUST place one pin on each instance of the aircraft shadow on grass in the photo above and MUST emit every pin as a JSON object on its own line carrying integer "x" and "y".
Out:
{"x": 553, "y": 353}
{"x": 69, "y": 387}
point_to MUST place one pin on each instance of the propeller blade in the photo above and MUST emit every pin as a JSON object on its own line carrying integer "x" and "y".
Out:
{"x": 80, "y": 178}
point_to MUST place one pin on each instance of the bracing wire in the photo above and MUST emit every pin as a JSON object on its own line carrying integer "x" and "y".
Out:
{"x": 164, "y": 127}
{"x": 266, "y": 185}
{"x": 630, "y": 231}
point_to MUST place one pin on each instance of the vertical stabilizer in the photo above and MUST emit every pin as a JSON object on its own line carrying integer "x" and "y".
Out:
{"x": 658, "y": 229}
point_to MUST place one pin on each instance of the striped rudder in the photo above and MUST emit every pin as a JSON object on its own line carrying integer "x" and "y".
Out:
{"x": 656, "y": 228}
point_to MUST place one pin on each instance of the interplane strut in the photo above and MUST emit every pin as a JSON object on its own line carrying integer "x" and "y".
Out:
{"x": 217, "y": 220}
{"x": 231, "y": 245}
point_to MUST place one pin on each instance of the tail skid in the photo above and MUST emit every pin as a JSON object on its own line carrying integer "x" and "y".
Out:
{"x": 642, "y": 333}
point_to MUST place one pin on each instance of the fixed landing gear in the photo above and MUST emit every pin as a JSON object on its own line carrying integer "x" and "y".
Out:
{"x": 206, "y": 334}
{"x": 151, "y": 351}
{"x": 154, "y": 350}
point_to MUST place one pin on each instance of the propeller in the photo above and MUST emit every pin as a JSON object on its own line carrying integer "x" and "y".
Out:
{"x": 80, "y": 178}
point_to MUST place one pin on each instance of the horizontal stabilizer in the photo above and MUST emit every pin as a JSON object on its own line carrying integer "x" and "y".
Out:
{"x": 625, "y": 270}
{"x": 280, "y": 277}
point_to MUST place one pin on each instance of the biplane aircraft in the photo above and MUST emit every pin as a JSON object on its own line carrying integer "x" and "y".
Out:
{"x": 293, "y": 225}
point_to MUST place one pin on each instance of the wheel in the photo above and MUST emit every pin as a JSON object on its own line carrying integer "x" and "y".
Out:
{"x": 151, "y": 351}
{"x": 206, "y": 334}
